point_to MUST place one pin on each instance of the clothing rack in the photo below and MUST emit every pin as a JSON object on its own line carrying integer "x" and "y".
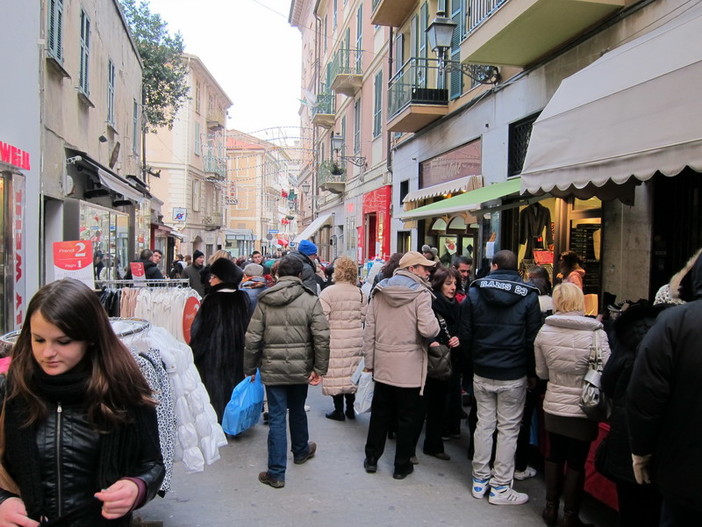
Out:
{"x": 134, "y": 325}
{"x": 156, "y": 282}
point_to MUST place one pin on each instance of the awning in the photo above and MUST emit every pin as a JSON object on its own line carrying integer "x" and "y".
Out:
{"x": 313, "y": 227}
{"x": 468, "y": 202}
{"x": 631, "y": 113}
{"x": 239, "y": 234}
{"x": 120, "y": 186}
{"x": 457, "y": 185}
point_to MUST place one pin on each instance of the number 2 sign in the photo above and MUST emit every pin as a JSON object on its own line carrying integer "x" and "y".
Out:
{"x": 74, "y": 259}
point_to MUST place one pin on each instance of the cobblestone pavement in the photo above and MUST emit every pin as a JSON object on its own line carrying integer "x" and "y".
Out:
{"x": 333, "y": 488}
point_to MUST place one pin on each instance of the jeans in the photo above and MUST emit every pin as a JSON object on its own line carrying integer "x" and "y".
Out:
{"x": 500, "y": 407}
{"x": 282, "y": 398}
{"x": 402, "y": 407}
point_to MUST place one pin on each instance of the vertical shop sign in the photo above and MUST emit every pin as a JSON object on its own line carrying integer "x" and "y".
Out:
{"x": 74, "y": 259}
{"x": 18, "y": 191}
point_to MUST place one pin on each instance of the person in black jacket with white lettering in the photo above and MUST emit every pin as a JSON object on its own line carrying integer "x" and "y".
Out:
{"x": 500, "y": 319}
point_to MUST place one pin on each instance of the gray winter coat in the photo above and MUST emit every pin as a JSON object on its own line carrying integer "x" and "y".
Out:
{"x": 288, "y": 336}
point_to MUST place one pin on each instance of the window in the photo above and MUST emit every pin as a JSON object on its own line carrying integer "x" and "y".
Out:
{"x": 359, "y": 38}
{"x": 135, "y": 127}
{"x": 456, "y": 79}
{"x": 519, "y": 135}
{"x": 357, "y": 126}
{"x": 197, "y": 191}
{"x": 198, "y": 96}
{"x": 198, "y": 146}
{"x": 334, "y": 14}
{"x": 55, "y": 29}
{"x": 84, "y": 52}
{"x": 326, "y": 25}
{"x": 378, "y": 105}
{"x": 110, "y": 93}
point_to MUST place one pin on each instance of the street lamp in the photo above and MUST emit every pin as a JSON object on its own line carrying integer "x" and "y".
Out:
{"x": 440, "y": 35}
{"x": 337, "y": 144}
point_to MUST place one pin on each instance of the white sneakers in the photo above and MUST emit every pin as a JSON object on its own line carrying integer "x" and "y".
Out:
{"x": 521, "y": 475}
{"x": 499, "y": 495}
{"x": 506, "y": 495}
{"x": 479, "y": 488}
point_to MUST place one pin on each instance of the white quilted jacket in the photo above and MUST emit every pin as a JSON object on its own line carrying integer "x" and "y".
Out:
{"x": 562, "y": 348}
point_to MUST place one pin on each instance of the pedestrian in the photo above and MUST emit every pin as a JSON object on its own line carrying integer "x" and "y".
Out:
{"x": 80, "y": 431}
{"x": 500, "y": 319}
{"x": 253, "y": 283}
{"x": 344, "y": 305}
{"x": 430, "y": 253}
{"x": 151, "y": 271}
{"x": 387, "y": 270}
{"x": 639, "y": 505}
{"x": 205, "y": 271}
{"x": 177, "y": 267}
{"x": 288, "y": 341}
{"x": 399, "y": 324}
{"x": 217, "y": 334}
{"x": 192, "y": 272}
{"x": 306, "y": 253}
{"x": 664, "y": 406}
{"x": 562, "y": 349}
{"x": 440, "y": 394}
{"x": 569, "y": 269}
{"x": 463, "y": 265}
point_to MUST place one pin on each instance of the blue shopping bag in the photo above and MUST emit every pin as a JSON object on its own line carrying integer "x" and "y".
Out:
{"x": 244, "y": 408}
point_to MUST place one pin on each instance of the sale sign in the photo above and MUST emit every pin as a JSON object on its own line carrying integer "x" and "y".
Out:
{"x": 74, "y": 260}
{"x": 192, "y": 305}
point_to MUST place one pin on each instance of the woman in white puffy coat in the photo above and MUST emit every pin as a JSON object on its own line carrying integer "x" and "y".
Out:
{"x": 562, "y": 349}
{"x": 345, "y": 307}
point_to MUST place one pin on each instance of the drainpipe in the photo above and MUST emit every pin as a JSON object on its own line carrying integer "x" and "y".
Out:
{"x": 317, "y": 82}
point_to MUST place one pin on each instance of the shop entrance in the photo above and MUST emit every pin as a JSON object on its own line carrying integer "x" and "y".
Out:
{"x": 372, "y": 244}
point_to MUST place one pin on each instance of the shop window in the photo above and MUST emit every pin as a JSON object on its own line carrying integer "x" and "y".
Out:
{"x": 439, "y": 225}
{"x": 519, "y": 135}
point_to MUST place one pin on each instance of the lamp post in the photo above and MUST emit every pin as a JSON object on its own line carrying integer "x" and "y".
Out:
{"x": 439, "y": 36}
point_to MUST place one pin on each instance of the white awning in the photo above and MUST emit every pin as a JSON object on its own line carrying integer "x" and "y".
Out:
{"x": 119, "y": 185}
{"x": 462, "y": 184}
{"x": 318, "y": 223}
{"x": 635, "y": 111}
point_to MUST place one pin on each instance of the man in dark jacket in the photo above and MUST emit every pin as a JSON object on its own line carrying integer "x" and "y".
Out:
{"x": 288, "y": 340}
{"x": 664, "y": 406}
{"x": 192, "y": 272}
{"x": 151, "y": 271}
{"x": 501, "y": 317}
{"x": 307, "y": 255}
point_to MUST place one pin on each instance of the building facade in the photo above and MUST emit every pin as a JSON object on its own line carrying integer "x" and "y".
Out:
{"x": 190, "y": 161}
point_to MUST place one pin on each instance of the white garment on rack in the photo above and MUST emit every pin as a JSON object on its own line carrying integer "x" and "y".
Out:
{"x": 163, "y": 307}
{"x": 199, "y": 435}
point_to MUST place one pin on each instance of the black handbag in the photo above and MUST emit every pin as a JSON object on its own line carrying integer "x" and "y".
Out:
{"x": 439, "y": 367}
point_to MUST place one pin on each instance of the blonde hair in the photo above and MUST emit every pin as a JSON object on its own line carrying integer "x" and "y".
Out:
{"x": 345, "y": 270}
{"x": 567, "y": 298}
{"x": 219, "y": 254}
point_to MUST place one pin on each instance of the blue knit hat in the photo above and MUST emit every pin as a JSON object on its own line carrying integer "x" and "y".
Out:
{"x": 307, "y": 247}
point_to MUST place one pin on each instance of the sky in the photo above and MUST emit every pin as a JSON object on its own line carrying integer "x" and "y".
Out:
{"x": 251, "y": 50}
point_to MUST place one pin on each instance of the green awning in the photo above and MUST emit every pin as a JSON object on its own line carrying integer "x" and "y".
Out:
{"x": 468, "y": 202}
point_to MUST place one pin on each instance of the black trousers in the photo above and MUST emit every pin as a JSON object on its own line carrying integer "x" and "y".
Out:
{"x": 403, "y": 406}
{"x": 435, "y": 394}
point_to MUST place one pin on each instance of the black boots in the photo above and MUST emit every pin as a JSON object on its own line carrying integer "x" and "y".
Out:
{"x": 338, "y": 413}
{"x": 573, "y": 488}
{"x": 554, "y": 483}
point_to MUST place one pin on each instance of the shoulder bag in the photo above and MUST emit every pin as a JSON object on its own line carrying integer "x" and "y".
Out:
{"x": 593, "y": 401}
{"x": 439, "y": 366}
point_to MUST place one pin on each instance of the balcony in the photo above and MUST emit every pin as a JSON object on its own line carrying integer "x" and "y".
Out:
{"x": 213, "y": 221}
{"x": 215, "y": 167}
{"x": 414, "y": 98}
{"x": 216, "y": 118}
{"x": 331, "y": 177}
{"x": 346, "y": 71}
{"x": 391, "y": 12}
{"x": 324, "y": 112}
{"x": 518, "y": 33}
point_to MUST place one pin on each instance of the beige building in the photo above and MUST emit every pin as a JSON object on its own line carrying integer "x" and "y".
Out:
{"x": 262, "y": 200}
{"x": 190, "y": 160}
{"x": 91, "y": 142}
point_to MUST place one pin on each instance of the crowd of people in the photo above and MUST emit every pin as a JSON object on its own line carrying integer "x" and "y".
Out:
{"x": 430, "y": 336}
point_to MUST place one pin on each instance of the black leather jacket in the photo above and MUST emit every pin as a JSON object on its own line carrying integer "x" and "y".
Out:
{"x": 69, "y": 454}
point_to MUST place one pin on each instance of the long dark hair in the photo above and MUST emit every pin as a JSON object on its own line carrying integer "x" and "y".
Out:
{"x": 115, "y": 381}
{"x": 393, "y": 263}
{"x": 441, "y": 275}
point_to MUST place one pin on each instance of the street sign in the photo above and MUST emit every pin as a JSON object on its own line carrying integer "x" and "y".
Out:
{"x": 273, "y": 231}
{"x": 269, "y": 236}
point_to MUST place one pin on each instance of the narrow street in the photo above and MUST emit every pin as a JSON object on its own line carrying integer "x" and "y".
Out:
{"x": 333, "y": 489}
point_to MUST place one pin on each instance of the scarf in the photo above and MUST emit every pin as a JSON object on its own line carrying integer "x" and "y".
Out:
{"x": 449, "y": 309}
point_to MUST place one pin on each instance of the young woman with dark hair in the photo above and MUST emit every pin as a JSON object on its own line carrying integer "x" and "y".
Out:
{"x": 81, "y": 436}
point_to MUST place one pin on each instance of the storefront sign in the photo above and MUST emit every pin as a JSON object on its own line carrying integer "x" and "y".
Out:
{"x": 192, "y": 305}
{"x": 179, "y": 214}
{"x": 138, "y": 271}
{"x": 18, "y": 235}
{"x": 14, "y": 156}
{"x": 74, "y": 259}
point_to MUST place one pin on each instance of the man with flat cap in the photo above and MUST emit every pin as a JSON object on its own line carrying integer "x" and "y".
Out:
{"x": 399, "y": 325}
